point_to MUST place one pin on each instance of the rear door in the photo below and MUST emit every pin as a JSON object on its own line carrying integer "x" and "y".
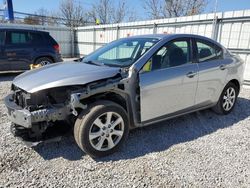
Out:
{"x": 18, "y": 50}
{"x": 212, "y": 72}
{"x": 169, "y": 86}
{"x": 4, "y": 65}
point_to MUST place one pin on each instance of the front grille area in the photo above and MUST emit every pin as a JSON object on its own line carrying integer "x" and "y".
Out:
{"x": 19, "y": 99}
{"x": 19, "y": 96}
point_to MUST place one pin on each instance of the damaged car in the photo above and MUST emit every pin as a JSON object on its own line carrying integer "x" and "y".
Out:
{"x": 129, "y": 83}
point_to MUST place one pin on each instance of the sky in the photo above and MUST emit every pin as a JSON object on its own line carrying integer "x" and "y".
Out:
{"x": 30, "y": 6}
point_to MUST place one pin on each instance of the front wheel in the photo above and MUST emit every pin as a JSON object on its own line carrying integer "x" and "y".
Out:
{"x": 227, "y": 99}
{"x": 102, "y": 130}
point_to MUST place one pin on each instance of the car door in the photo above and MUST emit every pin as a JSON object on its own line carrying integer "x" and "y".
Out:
{"x": 212, "y": 72}
{"x": 4, "y": 65}
{"x": 18, "y": 50}
{"x": 169, "y": 85}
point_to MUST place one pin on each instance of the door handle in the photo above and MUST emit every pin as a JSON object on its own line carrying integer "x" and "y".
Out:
{"x": 191, "y": 74}
{"x": 223, "y": 67}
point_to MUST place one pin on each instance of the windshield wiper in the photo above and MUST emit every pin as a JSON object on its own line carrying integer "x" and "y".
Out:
{"x": 93, "y": 63}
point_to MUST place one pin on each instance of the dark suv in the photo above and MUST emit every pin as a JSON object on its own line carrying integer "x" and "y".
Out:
{"x": 20, "y": 48}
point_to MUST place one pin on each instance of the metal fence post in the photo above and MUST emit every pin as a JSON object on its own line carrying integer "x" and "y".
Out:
{"x": 72, "y": 41}
{"x": 215, "y": 30}
{"x": 94, "y": 39}
{"x": 155, "y": 28}
{"x": 118, "y": 32}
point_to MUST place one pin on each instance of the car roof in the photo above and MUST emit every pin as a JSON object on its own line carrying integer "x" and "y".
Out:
{"x": 169, "y": 36}
{"x": 164, "y": 36}
{"x": 27, "y": 30}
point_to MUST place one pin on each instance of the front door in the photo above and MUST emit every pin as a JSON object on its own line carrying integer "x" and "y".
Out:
{"x": 18, "y": 50}
{"x": 168, "y": 81}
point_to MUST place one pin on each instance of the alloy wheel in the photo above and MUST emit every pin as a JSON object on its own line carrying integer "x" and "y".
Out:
{"x": 106, "y": 131}
{"x": 43, "y": 63}
{"x": 229, "y": 99}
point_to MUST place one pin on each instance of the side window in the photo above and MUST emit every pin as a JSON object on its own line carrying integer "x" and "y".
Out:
{"x": 174, "y": 53}
{"x": 36, "y": 38}
{"x": 18, "y": 38}
{"x": 2, "y": 38}
{"x": 208, "y": 51}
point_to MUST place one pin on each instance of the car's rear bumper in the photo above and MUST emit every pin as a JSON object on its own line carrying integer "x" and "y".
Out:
{"x": 58, "y": 58}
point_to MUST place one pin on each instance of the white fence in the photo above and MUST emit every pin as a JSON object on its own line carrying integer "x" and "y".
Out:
{"x": 232, "y": 29}
{"x": 63, "y": 35}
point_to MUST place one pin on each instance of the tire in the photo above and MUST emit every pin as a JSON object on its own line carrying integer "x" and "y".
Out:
{"x": 108, "y": 134}
{"x": 223, "y": 108}
{"x": 43, "y": 61}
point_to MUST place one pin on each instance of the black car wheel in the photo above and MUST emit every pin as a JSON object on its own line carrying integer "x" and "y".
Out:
{"x": 43, "y": 61}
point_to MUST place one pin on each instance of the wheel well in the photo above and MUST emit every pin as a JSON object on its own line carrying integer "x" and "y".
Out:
{"x": 236, "y": 83}
{"x": 114, "y": 97}
{"x": 50, "y": 57}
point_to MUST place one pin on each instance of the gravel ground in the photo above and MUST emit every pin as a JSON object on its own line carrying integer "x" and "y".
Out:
{"x": 197, "y": 150}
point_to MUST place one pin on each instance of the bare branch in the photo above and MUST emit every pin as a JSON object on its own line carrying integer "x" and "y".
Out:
{"x": 176, "y": 8}
{"x": 72, "y": 12}
{"x": 110, "y": 11}
{"x": 153, "y": 8}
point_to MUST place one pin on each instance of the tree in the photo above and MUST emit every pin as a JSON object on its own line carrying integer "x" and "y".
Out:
{"x": 110, "y": 11}
{"x": 54, "y": 19}
{"x": 119, "y": 13}
{"x": 102, "y": 10}
{"x": 173, "y": 8}
{"x": 72, "y": 12}
{"x": 176, "y": 8}
{"x": 153, "y": 8}
{"x": 42, "y": 13}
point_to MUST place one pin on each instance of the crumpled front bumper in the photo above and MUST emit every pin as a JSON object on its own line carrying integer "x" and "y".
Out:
{"x": 17, "y": 114}
{"x": 25, "y": 118}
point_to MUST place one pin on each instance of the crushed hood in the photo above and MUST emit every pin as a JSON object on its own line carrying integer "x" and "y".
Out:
{"x": 62, "y": 74}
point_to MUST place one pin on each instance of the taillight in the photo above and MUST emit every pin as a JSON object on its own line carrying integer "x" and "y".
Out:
{"x": 57, "y": 48}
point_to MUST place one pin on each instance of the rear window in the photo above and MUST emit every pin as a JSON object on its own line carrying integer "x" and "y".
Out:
{"x": 2, "y": 37}
{"x": 50, "y": 40}
{"x": 208, "y": 51}
{"x": 36, "y": 38}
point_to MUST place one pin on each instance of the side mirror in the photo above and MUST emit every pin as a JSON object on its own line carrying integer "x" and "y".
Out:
{"x": 79, "y": 60}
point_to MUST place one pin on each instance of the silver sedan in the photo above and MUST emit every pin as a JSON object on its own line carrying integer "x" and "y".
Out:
{"x": 129, "y": 83}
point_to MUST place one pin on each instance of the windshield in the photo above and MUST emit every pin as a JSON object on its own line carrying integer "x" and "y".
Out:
{"x": 121, "y": 53}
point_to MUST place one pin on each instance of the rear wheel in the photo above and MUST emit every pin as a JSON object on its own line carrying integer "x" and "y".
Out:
{"x": 227, "y": 99}
{"x": 43, "y": 61}
{"x": 102, "y": 130}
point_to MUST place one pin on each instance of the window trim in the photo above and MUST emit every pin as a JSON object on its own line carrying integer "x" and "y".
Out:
{"x": 191, "y": 53}
{"x": 4, "y": 40}
{"x": 209, "y": 43}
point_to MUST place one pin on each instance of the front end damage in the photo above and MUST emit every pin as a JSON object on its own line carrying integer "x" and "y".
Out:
{"x": 32, "y": 115}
